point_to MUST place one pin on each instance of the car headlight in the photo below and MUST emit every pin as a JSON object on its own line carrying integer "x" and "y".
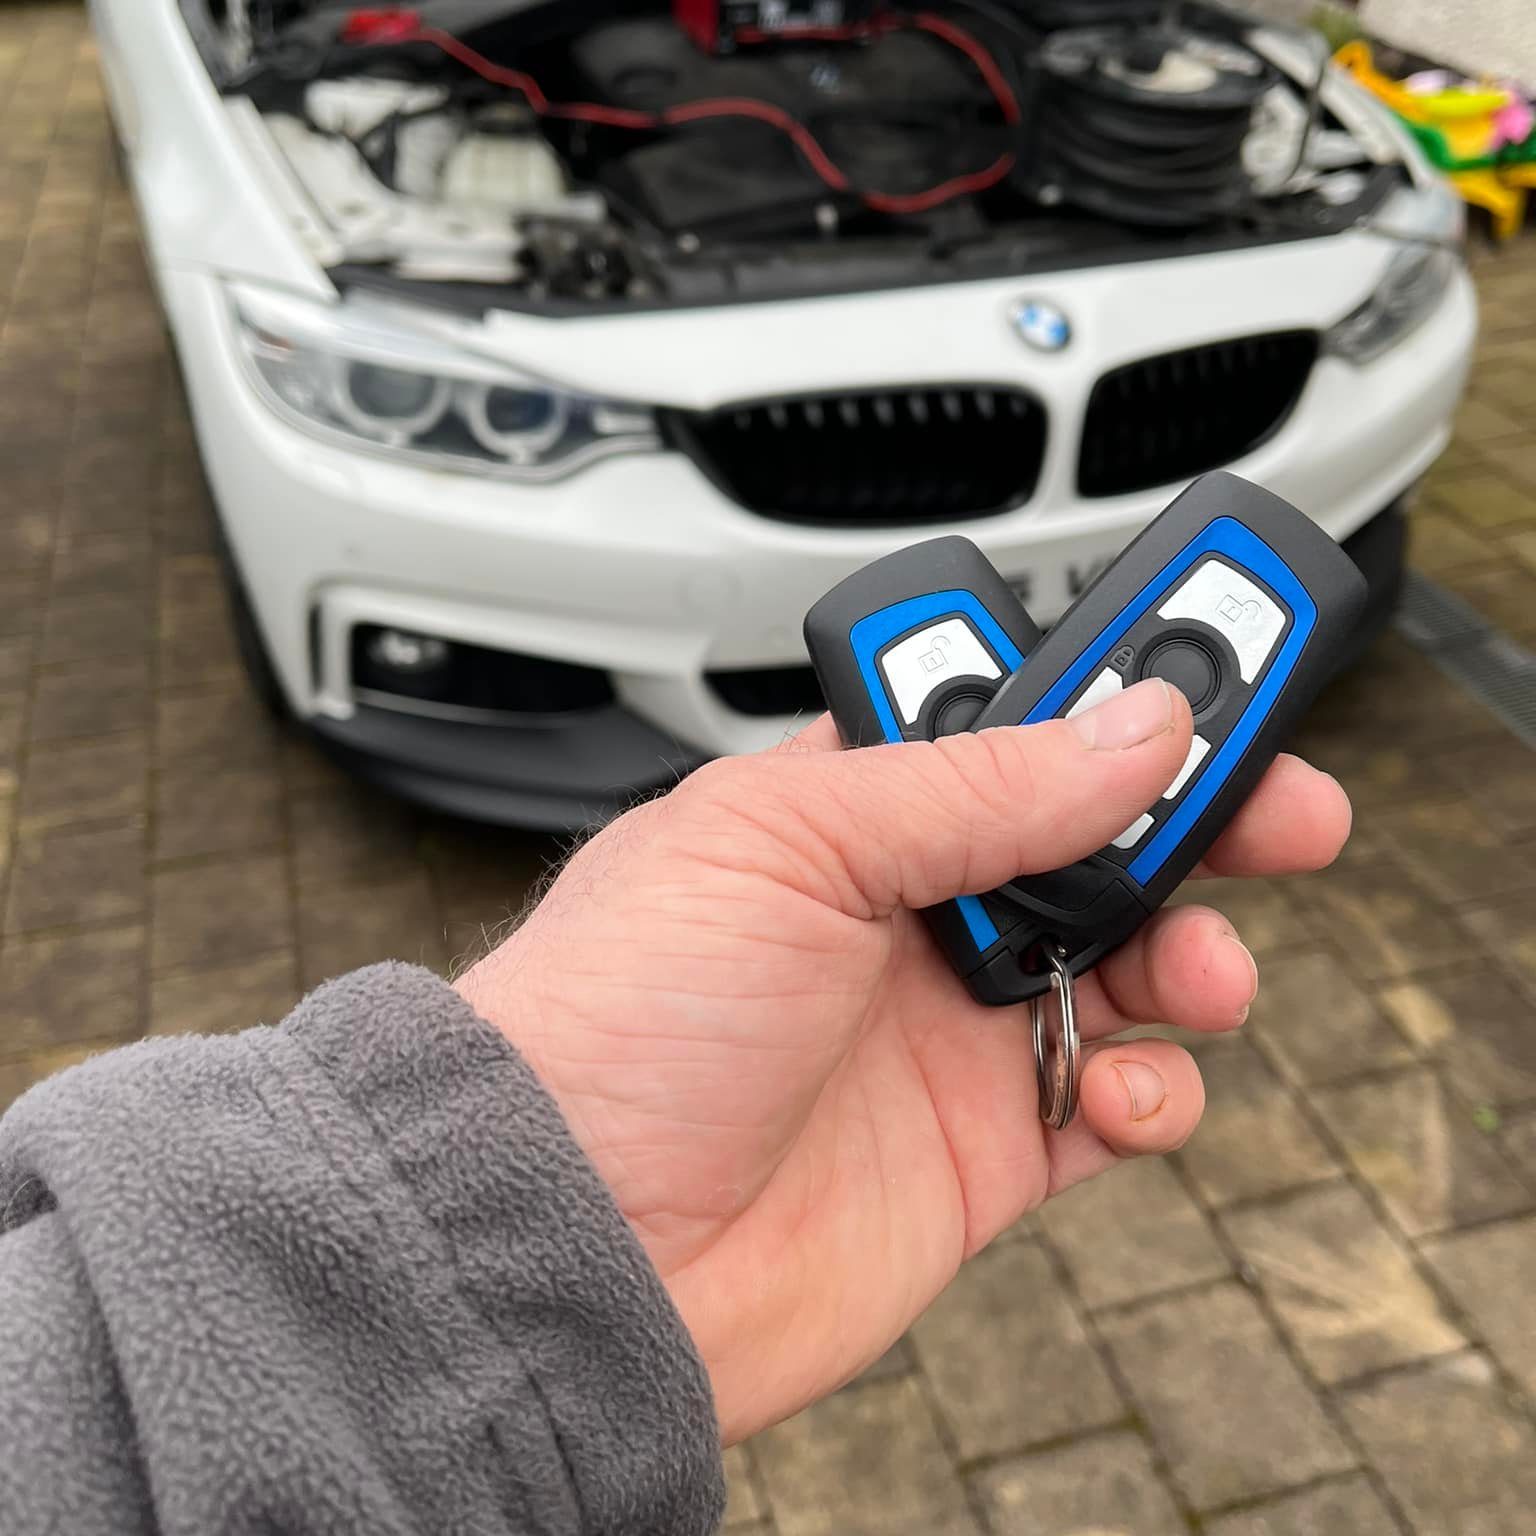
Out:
{"x": 1433, "y": 214}
{"x": 1413, "y": 285}
{"x": 361, "y": 372}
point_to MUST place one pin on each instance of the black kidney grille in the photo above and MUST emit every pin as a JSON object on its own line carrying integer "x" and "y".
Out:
{"x": 925, "y": 455}
{"x": 1170, "y": 417}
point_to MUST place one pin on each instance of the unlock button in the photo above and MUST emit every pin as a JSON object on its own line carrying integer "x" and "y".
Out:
{"x": 934, "y": 658}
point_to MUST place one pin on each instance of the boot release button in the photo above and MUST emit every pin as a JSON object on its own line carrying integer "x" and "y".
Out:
{"x": 1242, "y": 613}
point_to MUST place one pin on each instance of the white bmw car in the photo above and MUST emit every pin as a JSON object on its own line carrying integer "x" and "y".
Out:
{"x": 548, "y": 360}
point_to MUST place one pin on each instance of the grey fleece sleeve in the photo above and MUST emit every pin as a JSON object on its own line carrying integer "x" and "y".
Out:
{"x": 350, "y": 1274}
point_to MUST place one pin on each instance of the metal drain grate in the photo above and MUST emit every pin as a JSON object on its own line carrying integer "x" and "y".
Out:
{"x": 1434, "y": 619}
{"x": 1491, "y": 667}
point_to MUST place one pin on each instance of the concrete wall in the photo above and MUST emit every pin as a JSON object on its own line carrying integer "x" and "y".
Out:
{"x": 1476, "y": 36}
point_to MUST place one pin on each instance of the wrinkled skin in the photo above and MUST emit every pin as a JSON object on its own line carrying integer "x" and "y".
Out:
{"x": 803, "y": 1116}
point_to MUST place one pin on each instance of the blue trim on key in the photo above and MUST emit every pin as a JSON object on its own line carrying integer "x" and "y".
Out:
{"x": 1225, "y": 536}
{"x": 875, "y": 631}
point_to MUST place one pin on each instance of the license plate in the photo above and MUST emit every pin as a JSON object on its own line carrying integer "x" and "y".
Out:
{"x": 1050, "y": 590}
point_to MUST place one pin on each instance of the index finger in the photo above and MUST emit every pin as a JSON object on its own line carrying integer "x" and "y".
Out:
{"x": 1295, "y": 821}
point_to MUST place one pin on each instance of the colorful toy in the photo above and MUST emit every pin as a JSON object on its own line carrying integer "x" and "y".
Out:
{"x": 1482, "y": 135}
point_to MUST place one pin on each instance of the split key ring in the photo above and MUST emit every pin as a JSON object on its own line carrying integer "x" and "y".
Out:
{"x": 1056, "y": 1072}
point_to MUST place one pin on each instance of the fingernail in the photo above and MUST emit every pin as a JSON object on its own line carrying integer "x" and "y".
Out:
{"x": 1253, "y": 968}
{"x": 1144, "y": 1087}
{"x": 1127, "y": 719}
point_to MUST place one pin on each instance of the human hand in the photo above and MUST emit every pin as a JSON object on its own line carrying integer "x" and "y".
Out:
{"x": 805, "y": 1118}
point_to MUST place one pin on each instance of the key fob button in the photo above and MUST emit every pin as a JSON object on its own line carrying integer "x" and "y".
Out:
{"x": 1104, "y": 686}
{"x": 1196, "y": 755}
{"x": 933, "y": 658}
{"x": 1188, "y": 666}
{"x": 1246, "y": 616}
{"x": 1134, "y": 833}
{"x": 959, "y": 713}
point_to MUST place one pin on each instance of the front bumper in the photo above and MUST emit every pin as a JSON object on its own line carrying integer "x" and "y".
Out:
{"x": 588, "y": 769}
{"x": 640, "y": 567}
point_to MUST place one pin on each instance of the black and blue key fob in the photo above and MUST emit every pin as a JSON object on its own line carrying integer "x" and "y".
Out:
{"x": 912, "y": 647}
{"x": 1242, "y": 603}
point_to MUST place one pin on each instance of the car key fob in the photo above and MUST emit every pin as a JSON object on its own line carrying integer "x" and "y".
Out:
{"x": 913, "y": 647}
{"x": 1242, "y": 603}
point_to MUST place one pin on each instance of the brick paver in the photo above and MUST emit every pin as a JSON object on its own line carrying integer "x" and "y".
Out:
{"x": 1316, "y": 1022}
{"x": 1347, "y": 1507}
{"x": 745, "y": 1508}
{"x": 1133, "y": 1236}
{"x": 219, "y": 911}
{"x": 869, "y": 1461}
{"x": 971, "y": 1344}
{"x": 1488, "y": 1272}
{"x": 1508, "y": 930}
{"x": 1456, "y": 1453}
{"x": 1476, "y": 1026}
{"x": 1222, "y": 1399}
{"x": 1256, "y": 1138}
{"x": 1423, "y": 1151}
{"x": 1518, "y": 1139}
{"x": 1317, "y": 1319}
{"x": 1345, "y": 1288}
{"x": 1103, "y": 1483}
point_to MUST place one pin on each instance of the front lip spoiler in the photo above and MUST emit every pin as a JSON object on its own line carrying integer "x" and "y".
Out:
{"x": 550, "y": 777}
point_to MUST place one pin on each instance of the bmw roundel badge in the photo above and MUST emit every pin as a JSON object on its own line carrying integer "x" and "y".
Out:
{"x": 1042, "y": 326}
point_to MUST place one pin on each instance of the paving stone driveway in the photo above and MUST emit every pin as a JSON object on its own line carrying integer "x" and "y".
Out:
{"x": 1318, "y": 1318}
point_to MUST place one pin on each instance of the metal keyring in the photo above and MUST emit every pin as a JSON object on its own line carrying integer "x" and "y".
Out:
{"x": 1058, "y": 1097}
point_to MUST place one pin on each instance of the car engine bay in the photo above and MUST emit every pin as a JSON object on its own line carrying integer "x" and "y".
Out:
{"x": 560, "y": 153}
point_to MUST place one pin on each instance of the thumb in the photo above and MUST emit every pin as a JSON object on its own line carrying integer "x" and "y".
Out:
{"x": 920, "y": 822}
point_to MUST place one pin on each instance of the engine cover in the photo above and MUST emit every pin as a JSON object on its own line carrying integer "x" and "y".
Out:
{"x": 900, "y": 114}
